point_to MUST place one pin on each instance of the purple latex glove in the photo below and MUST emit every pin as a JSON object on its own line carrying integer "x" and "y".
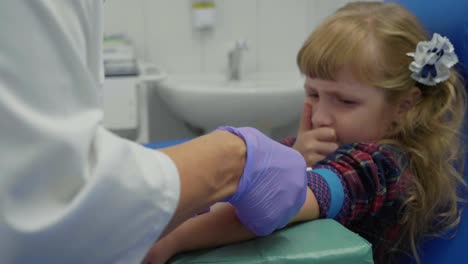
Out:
{"x": 273, "y": 185}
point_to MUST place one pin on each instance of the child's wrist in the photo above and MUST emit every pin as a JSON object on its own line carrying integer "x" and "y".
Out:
{"x": 171, "y": 247}
{"x": 164, "y": 249}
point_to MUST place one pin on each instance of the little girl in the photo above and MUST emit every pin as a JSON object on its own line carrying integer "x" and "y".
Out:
{"x": 380, "y": 129}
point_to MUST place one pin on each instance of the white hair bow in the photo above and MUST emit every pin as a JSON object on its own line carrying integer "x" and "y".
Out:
{"x": 432, "y": 60}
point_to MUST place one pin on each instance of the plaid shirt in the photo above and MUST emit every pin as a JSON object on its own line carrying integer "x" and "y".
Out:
{"x": 362, "y": 186}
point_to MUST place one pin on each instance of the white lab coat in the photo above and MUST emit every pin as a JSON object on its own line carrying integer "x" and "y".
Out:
{"x": 70, "y": 191}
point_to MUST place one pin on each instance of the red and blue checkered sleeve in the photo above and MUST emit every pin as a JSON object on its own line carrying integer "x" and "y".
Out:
{"x": 288, "y": 141}
{"x": 355, "y": 180}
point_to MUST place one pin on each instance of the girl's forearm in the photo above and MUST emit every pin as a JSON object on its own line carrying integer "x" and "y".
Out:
{"x": 309, "y": 211}
{"x": 221, "y": 226}
{"x": 218, "y": 227}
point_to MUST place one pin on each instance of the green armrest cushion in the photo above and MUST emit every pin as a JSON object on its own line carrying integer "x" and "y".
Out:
{"x": 321, "y": 241}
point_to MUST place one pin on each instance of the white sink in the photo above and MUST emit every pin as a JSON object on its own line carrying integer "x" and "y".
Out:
{"x": 264, "y": 101}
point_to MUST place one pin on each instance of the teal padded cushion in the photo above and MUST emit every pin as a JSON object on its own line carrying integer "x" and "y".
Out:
{"x": 322, "y": 241}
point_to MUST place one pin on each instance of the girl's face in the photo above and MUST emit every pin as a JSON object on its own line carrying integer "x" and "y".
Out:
{"x": 357, "y": 112}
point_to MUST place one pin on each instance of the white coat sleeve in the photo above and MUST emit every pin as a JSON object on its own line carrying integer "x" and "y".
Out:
{"x": 70, "y": 191}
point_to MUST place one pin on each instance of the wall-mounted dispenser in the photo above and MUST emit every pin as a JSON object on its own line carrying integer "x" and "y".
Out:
{"x": 203, "y": 14}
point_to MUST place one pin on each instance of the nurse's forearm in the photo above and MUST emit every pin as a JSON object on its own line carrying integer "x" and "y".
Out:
{"x": 209, "y": 168}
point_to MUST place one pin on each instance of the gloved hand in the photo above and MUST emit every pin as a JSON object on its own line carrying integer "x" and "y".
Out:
{"x": 273, "y": 185}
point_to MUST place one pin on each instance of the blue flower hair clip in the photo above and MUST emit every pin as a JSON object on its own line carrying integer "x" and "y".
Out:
{"x": 433, "y": 60}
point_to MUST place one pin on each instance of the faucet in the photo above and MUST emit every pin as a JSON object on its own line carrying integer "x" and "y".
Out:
{"x": 234, "y": 60}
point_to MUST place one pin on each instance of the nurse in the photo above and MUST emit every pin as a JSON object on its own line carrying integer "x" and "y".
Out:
{"x": 72, "y": 192}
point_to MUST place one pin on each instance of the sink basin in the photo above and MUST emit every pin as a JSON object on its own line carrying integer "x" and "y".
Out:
{"x": 264, "y": 101}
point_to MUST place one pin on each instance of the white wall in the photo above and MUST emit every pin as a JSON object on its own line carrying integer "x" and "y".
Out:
{"x": 163, "y": 33}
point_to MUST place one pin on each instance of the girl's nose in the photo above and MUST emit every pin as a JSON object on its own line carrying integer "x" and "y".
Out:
{"x": 321, "y": 116}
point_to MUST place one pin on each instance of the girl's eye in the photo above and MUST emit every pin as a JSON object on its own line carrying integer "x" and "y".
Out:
{"x": 314, "y": 95}
{"x": 347, "y": 102}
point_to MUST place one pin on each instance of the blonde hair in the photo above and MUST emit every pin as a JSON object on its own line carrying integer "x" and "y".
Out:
{"x": 373, "y": 38}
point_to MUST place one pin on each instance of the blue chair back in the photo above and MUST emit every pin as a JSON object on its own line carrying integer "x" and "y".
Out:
{"x": 449, "y": 19}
